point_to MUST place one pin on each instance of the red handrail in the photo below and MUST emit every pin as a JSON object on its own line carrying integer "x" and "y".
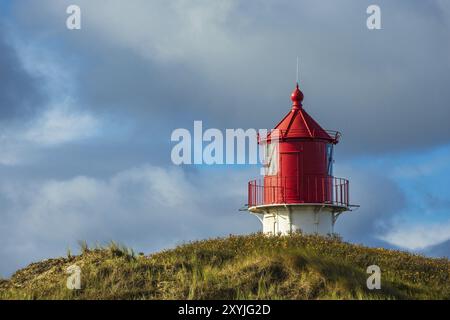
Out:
{"x": 281, "y": 134}
{"x": 313, "y": 189}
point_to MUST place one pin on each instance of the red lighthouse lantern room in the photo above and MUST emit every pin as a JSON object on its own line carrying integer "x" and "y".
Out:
{"x": 298, "y": 190}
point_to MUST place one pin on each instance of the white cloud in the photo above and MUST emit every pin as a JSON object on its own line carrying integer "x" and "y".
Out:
{"x": 417, "y": 237}
{"x": 247, "y": 52}
{"x": 147, "y": 207}
{"x": 425, "y": 168}
{"x": 57, "y": 122}
{"x": 56, "y": 126}
{"x": 60, "y": 125}
{"x": 158, "y": 30}
{"x": 11, "y": 153}
{"x": 379, "y": 197}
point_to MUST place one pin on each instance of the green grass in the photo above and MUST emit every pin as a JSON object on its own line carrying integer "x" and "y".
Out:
{"x": 237, "y": 267}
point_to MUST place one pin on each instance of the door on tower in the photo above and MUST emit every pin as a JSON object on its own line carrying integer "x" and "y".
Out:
{"x": 291, "y": 166}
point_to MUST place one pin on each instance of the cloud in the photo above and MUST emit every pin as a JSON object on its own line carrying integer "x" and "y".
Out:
{"x": 36, "y": 108}
{"x": 20, "y": 91}
{"x": 54, "y": 127}
{"x": 61, "y": 125}
{"x": 426, "y": 165}
{"x": 380, "y": 200}
{"x": 151, "y": 207}
{"x": 147, "y": 207}
{"x": 417, "y": 236}
{"x": 233, "y": 64}
{"x": 188, "y": 34}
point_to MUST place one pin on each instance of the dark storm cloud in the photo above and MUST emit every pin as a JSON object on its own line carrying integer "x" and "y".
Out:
{"x": 20, "y": 93}
{"x": 386, "y": 90}
{"x": 137, "y": 87}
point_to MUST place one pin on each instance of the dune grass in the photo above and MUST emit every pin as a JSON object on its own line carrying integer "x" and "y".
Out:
{"x": 236, "y": 267}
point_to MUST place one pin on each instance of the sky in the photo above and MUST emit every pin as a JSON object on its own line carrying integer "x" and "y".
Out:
{"x": 86, "y": 117}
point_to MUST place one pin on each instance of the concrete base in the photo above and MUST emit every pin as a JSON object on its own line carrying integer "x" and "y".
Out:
{"x": 307, "y": 218}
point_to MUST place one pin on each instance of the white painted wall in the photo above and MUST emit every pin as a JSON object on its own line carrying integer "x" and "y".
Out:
{"x": 310, "y": 219}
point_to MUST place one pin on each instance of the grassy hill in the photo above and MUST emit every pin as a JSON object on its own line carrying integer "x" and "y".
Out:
{"x": 237, "y": 267}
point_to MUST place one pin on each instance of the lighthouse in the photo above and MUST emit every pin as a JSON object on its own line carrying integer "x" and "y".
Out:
{"x": 298, "y": 191}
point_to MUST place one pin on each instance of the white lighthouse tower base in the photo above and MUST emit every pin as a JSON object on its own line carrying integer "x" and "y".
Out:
{"x": 284, "y": 219}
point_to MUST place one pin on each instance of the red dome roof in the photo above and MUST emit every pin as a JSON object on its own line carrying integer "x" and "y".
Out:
{"x": 299, "y": 124}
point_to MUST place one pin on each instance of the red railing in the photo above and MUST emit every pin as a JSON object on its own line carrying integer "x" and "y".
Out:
{"x": 311, "y": 189}
{"x": 335, "y": 135}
